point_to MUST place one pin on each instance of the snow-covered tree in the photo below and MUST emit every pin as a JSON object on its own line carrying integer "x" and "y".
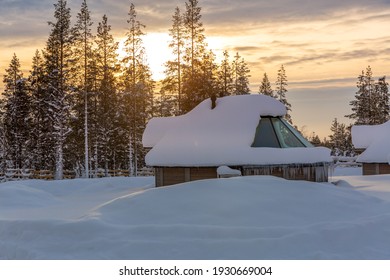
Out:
{"x": 240, "y": 75}
{"x": 340, "y": 139}
{"x": 315, "y": 140}
{"x": 265, "y": 87}
{"x": 58, "y": 56}
{"x": 82, "y": 64}
{"x": 16, "y": 116}
{"x": 281, "y": 90}
{"x": 172, "y": 84}
{"x": 165, "y": 104}
{"x": 225, "y": 76}
{"x": 138, "y": 88}
{"x": 371, "y": 104}
{"x": 383, "y": 104}
{"x": 40, "y": 145}
{"x": 195, "y": 51}
{"x": 208, "y": 74}
{"x": 194, "y": 32}
{"x": 107, "y": 120}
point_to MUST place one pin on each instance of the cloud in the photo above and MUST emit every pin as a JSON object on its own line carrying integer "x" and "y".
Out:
{"x": 231, "y": 16}
{"x": 324, "y": 82}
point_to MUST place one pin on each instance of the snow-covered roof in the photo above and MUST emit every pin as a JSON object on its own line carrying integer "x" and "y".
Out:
{"x": 373, "y": 138}
{"x": 221, "y": 136}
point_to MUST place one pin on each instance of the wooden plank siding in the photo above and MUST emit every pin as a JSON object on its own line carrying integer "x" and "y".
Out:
{"x": 376, "y": 168}
{"x": 200, "y": 173}
{"x": 174, "y": 175}
{"x": 315, "y": 173}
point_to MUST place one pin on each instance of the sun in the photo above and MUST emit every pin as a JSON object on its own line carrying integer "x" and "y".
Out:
{"x": 157, "y": 52}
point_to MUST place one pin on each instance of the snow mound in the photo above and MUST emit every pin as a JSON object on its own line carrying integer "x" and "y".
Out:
{"x": 364, "y": 135}
{"x": 259, "y": 217}
{"x": 226, "y": 170}
{"x": 19, "y": 195}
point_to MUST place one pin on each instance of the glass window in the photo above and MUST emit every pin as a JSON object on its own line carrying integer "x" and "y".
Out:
{"x": 277, "y": 133}
{"x": 265, "y": 135}
{"x": 297, "y": 134}
{"x": 286, "y": 138}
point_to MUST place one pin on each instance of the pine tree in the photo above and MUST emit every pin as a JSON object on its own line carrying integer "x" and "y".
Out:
{"x": 382, "y": 107}
{"x": 83, "y": 55}
{"x": 3, "y": 147}
{"x": 172, "y": 84}
{"x": 340, "y": 139}
{"x": 39, "y": 144}
{"x": 195, "y": 51}
{"x": 57, "y": 57}
{"x": 371, "y": 104}
{"x": 315, "y": 140}
{"x": 138, "y": 88}
{"x": 281, "y": 90}
{"x": 370, "y": 95}
{"x": 240, "y": 75}
{"x": 195, "y": 37}
{"x": 16, "y": 116}
{"x": 265, "y": 87}
{"x": 208, "y": 75}
{"x": 165, "y": 104}
{"x": 225, "y": 77}
{"x": 106, "y": 120}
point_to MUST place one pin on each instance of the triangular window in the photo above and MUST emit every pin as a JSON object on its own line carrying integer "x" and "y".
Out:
{"x": 275, "y": 132}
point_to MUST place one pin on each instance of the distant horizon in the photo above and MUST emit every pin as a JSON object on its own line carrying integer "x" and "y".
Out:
{"x": 324, "y": 45}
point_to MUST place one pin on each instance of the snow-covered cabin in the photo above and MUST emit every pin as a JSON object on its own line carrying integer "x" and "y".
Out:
{"x": 375, "y": 141}
{"x": 244, "y": 132}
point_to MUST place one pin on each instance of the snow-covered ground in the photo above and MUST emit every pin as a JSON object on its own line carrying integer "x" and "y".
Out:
{"x": 259, "y": 217}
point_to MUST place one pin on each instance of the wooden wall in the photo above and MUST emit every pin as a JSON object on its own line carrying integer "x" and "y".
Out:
{"x": 314, "y": 173}
{"x": 174, "y": 175}
{"x": 376, "y": 168}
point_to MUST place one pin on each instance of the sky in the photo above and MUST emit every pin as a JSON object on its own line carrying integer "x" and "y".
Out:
{"x": 323, "y": 44}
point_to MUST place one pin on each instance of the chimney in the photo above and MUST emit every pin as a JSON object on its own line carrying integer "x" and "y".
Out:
{"x": 213, "y": 101}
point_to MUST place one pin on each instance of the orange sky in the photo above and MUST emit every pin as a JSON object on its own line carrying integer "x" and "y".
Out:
{"x": 324, "y": 45}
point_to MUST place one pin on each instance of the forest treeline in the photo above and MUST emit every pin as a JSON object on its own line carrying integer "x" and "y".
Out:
{"x": 369, "y": 107}
{"x": 82, "y": 109}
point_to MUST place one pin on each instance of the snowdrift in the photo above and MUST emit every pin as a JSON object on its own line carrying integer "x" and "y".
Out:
{"x": 257, "y": 217}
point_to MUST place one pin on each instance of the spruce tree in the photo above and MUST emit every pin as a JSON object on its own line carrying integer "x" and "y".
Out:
{"x": 40, "y": 133}
{"x": 58, "y": 55}
{"x": 138, "y": 88}
{"x": 172, "y": 84}
{"x": 371, "y": 103}
{"x": 107, "y": 120}
{"x": 194, "y": 32}
{"x": 3, "y": 147}
{"x": 16, "y": 116}
{"x": 383, "y": 107}
{"x": 265, "y": 87}
{"x": 358, "y": 104}
{"x": 315, "y": 140}
{"x": 165, "y": 104}
{"x": 340, "y": 139}
{"x": 240, "y": 76}
{"x": 195, "y": 51}
{"x": 208, "y": 73}
{"x": 281, "y": 90}
{"x": 225, "y": 76}
{"x": 83, "y": 55}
